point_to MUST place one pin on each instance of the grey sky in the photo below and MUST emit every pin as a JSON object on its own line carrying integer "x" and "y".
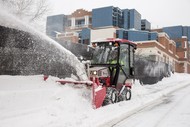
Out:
{"x": 159, "y": 12}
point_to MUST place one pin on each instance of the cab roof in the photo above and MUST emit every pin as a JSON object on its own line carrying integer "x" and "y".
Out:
{"x": 114, "y": 40}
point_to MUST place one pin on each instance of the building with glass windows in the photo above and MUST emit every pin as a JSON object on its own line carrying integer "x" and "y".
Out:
{"x": 70, "y": 27}
{"x": 106, "y": 17}
{"x": 177, "y": 31}
{"x": 76, "y": 22}
{"x": 170, "y": 45}
{"x": 180, "y": 35}
{"x": 136, "y": 35}
{"x": 55, "y": 24}
{"x": 134, "y": 19}
{"x": 145, "y": 25}
{"x": 116, "y": 17}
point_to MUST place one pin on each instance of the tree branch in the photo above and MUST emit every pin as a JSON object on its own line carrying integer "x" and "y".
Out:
{"x": 31, "y": 9}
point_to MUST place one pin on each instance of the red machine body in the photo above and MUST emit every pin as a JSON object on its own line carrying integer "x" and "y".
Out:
{"x": 110, "y": 71}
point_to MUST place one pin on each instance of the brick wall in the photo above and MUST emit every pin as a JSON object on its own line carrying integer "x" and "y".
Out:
{"x": 80, "y": 13}
{"x": 179, "y": 67}
{"x": 188, "y": 68}
{"x": 167, "y": 46}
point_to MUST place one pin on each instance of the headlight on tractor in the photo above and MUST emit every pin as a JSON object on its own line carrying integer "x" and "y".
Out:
{"x": 94, "y": 73}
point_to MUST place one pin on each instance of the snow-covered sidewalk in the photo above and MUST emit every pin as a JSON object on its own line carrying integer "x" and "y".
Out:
{"x": 30, "y": 101}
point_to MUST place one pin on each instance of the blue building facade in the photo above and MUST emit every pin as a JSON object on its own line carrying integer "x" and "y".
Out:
{"x": 145, "y": 25}
{"x": 174, "y": 32}
{"x": 135, "y": 35}
{"x": 128, "y": 20}
{"x": 55, "y": 24}
{"x": 152, "y": 36}
{"x": 134, "y": 19}
{"x": 177, "y": 31}
{"x": 114, "y": 16}
{"x": 107, "y": 16}
{"x": 85, "y": 36}
{"x": 186, "y": 32}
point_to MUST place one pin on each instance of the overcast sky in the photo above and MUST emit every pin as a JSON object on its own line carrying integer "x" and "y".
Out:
{"x": 159, "y": 12}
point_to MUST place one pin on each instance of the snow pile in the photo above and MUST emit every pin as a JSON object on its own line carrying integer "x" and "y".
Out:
{"x": 30, "y": 101}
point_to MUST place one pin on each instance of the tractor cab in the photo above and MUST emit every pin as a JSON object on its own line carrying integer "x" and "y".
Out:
{"x": 112, "y": 66}
{"x": 117, "y": 57}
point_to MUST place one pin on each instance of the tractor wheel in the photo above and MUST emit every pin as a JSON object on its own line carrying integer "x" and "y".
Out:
{"x": 111, "y": 96}
{"x": 125, "y": 95}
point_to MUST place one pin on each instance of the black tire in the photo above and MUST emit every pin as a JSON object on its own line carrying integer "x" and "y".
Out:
{"x": 125, "y": 95}
{"x": 128, "y": 94}
{"x": 111, "y": 96}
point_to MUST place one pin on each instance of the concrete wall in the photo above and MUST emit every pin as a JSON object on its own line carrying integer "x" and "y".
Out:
{"x": 103, "y": 33}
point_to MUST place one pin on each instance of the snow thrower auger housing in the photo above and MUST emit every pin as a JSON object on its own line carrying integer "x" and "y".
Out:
{"x": 111, "y": 71}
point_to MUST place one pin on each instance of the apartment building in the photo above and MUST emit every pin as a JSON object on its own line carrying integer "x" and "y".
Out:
{"x": 171, "y": 47}
{"x": 169, "y": 44}
{"x": 68, "y": 27}
{"x": 55, "y": 24}
{"x": 76, "y": 22}
{"x": 145, "y": 25}
{"x": 136, "y": 35}
{"x": 79, "y": 26}
{"x": 163, "y": 49}
{"x": 107, "y": 17}
{"x": 116, "y": 17}
{"x": 79, "y": 19}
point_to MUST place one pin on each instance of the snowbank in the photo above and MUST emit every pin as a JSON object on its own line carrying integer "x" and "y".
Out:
{"x": 30, "y": 101}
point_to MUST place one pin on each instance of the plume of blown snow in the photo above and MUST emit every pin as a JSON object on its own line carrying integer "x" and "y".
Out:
{"x": 10, "y": 21}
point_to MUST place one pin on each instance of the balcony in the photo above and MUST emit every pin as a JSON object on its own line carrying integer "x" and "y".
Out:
{"x": 80, "y": 26}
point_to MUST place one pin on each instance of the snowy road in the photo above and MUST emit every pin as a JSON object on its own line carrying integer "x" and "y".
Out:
{"x": 29, "y": 101}
{"x": 173, "y": 111}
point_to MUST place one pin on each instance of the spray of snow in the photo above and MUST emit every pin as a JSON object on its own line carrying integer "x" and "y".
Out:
{"x": 154, "y": 69}
{"x": 10, "y": 21}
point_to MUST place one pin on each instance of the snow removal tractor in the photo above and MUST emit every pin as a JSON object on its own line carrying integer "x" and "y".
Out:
{"x": 111, "y": 71}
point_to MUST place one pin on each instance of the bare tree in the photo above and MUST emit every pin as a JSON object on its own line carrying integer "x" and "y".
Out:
{"x": 41, "y": 9}
{"x": 29, "y": 9}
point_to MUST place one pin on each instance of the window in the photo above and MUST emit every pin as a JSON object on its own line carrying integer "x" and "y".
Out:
{"x": 178, "y": 45}
{"x": 90, "y": 20}
{"x": 170, "y": 47}
{"x": 69, "y": 23}
{"x": 185, "y": 44}
{"x": 80, "y": 23}
{"x": 185, "y": 54}
{"x": 104, "y": 54}
{"x": 131, "y": 56}
{"x": 86, "y": 41}
{"x": 125, "y": 35}
{"x": 149, "y": 36}
{"x": 124, "y": 62}
{"x": 124, "y": 57}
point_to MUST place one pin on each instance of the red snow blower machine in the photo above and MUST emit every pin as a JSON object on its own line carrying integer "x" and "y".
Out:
{"x": 111, "y": 71}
